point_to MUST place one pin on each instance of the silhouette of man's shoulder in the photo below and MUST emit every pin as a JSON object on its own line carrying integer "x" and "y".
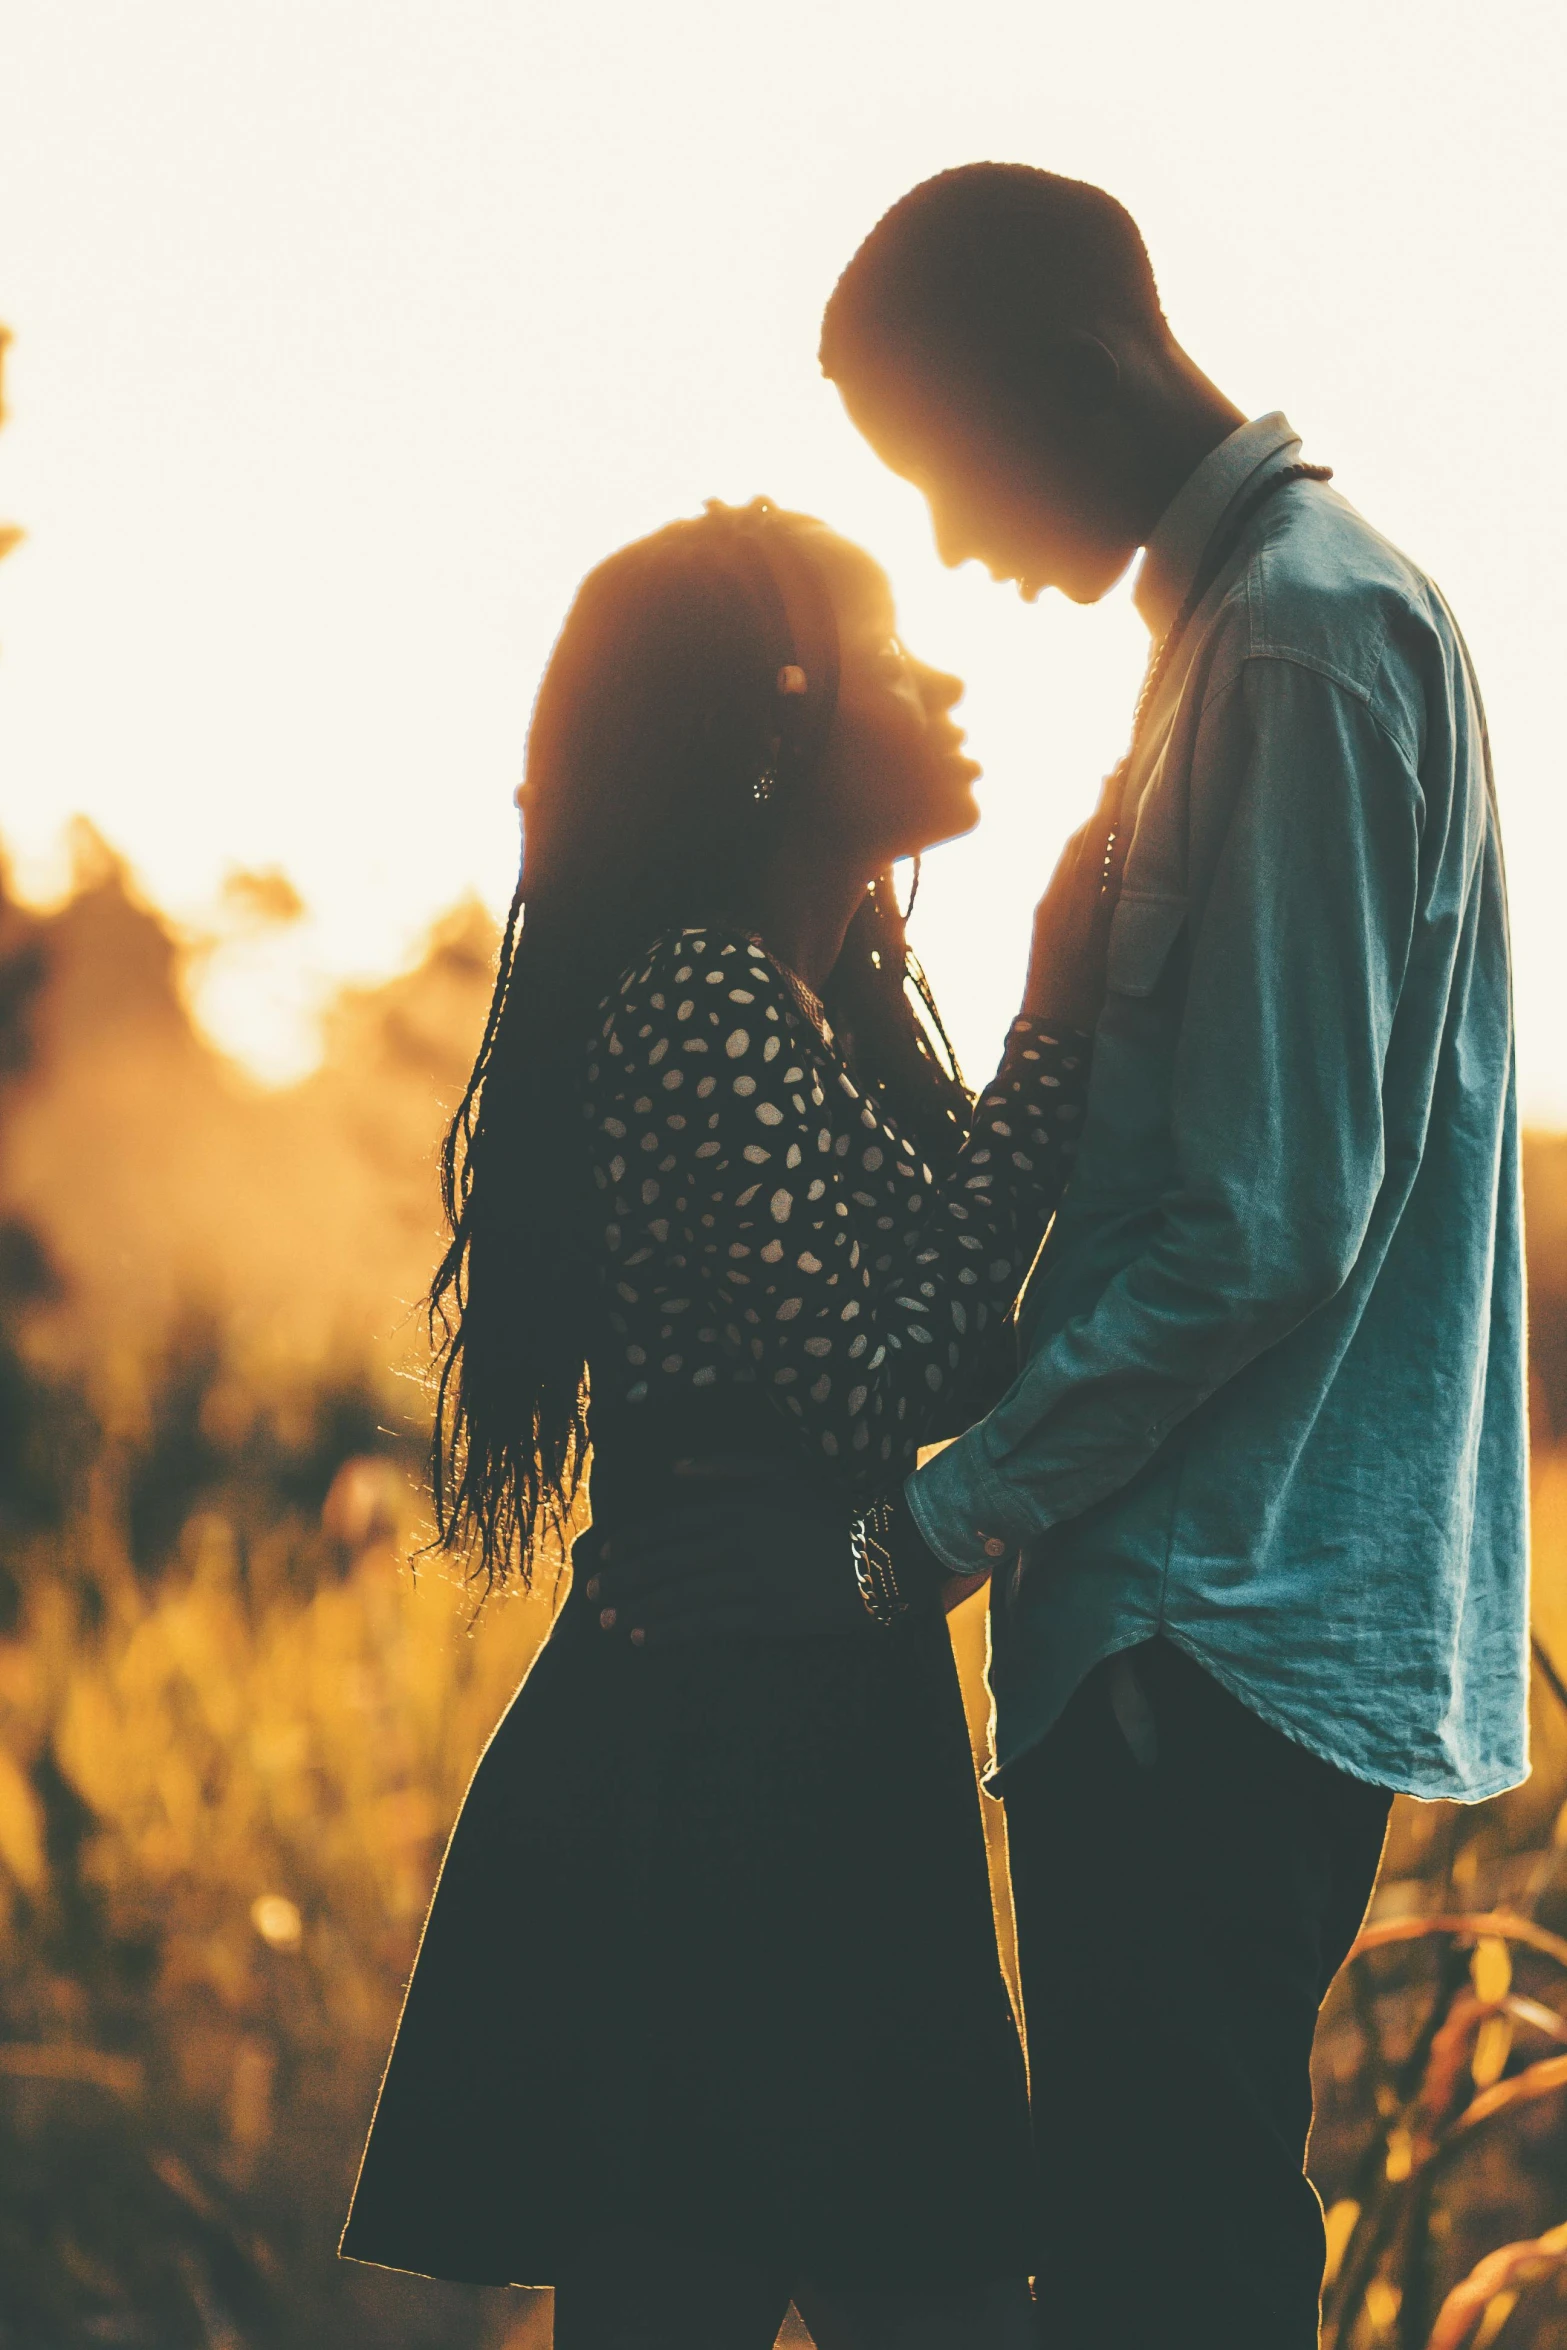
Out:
{"x": 1323, "y": 588}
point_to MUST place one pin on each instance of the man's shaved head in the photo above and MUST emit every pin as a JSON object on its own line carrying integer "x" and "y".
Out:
{"x": 972, "y": 269}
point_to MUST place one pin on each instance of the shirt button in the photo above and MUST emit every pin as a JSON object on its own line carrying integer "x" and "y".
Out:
{"x": 994, "y": 1547}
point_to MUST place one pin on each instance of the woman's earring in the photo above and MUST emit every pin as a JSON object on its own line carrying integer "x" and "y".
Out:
{"x": 762, "y": 787}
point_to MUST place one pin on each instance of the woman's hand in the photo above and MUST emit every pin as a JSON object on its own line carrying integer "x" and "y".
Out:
{"x": 1066, "y": 968}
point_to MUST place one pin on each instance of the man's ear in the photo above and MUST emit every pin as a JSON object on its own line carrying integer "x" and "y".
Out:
{"x": 1085, "y": 373}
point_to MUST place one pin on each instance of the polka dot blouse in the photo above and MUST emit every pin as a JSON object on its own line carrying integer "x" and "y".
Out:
{"x": 764, "y": 1224}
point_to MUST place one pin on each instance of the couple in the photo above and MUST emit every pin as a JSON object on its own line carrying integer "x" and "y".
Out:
{"x": 708, "y": 2011}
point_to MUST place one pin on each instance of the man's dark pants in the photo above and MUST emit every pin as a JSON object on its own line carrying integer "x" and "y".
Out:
{"x": 1179, "y": 1921}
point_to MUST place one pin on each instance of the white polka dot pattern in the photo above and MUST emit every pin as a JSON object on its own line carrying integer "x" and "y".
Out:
{"x": 764, "y": 1223}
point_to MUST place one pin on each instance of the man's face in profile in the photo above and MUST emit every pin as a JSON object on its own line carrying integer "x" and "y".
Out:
{"x": 1006, "y": 485}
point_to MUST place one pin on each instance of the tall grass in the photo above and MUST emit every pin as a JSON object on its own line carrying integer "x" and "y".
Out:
{"x": 235, "y": 1725}
{"x": 234, "y": 1729}
{"x": 1441, "y": 2144}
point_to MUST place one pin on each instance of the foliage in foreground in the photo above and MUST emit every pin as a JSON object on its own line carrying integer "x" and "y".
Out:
{"x": 233, "y": 1729}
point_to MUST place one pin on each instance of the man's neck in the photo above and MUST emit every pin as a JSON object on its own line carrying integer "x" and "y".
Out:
{"x": 1181, "y": 418}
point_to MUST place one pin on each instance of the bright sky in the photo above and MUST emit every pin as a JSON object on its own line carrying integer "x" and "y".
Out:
{"x": 349, "y": 333}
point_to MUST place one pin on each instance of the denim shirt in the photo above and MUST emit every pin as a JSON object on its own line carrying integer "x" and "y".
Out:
{"x": 1272, "y": 1403}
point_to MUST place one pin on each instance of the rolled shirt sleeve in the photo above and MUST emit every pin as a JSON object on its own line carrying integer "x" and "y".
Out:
{"x": 1295, "y": 963}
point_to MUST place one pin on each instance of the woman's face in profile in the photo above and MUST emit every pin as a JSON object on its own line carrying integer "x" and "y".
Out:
{"x": 895, "y": 778}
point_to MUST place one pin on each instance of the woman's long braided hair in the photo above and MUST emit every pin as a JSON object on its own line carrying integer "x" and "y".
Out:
{"x": 658, "y": 758}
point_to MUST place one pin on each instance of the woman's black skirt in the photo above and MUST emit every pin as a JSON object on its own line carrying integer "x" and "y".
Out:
{"x": 712, "y": 1954}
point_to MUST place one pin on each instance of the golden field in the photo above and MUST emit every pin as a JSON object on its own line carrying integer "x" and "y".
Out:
{"x": 235, "y": 1722}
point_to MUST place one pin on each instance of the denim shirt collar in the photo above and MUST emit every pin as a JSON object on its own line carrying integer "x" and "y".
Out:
{"x": 1187, "y": 524}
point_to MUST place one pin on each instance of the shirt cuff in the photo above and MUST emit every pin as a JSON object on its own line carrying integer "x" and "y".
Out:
{"x": 948, "y": 1502}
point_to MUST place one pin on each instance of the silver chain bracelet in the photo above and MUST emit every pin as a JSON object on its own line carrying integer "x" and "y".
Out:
{"x": 870, "y": 1540}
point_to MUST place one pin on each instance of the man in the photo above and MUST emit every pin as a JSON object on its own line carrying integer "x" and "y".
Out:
{"x": 1255, "y": 1503}
{"x": 1258, "y": 1493}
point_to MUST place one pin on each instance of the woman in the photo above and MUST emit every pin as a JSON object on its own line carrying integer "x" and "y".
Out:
{"x": 708, "y": 2010}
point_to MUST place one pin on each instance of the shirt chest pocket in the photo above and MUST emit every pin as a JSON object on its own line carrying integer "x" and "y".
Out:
{"x": 1143, "y": 932}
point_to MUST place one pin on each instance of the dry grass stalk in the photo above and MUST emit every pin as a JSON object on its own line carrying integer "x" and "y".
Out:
{"x": 1482, "y": 2304}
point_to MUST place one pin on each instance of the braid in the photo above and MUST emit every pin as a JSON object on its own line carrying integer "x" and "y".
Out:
{"x": 871, "y": 1001}
{"x": 457, "y": 1142}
